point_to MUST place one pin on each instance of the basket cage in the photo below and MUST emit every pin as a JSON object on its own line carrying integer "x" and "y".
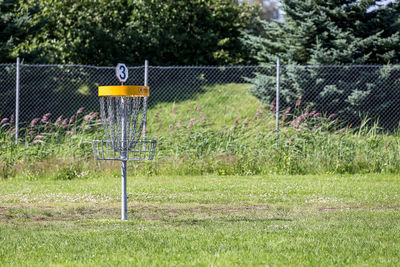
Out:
{"x": 105, "y": 150}
{"x": 124, "y": 122}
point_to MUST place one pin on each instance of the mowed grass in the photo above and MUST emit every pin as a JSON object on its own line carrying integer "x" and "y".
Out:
{"x": 202, "y": 221}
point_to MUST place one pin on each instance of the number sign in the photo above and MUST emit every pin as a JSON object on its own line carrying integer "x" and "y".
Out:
{"x": 122, "y": 72}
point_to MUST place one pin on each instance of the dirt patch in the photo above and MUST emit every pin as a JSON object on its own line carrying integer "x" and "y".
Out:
{"x": 137, "y": 211}
{"x": 346, "y": 208}
{"x": 26, "y": 213}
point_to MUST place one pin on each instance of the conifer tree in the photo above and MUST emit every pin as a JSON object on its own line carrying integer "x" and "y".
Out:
{"x": 334, "y": 32}
{"x": 331, "y": 32}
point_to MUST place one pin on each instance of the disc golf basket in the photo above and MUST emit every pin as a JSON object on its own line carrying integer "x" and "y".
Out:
{"x": 123, "y": 112}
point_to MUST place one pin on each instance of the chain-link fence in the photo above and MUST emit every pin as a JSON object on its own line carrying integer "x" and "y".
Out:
{"x": 350, "y": 92}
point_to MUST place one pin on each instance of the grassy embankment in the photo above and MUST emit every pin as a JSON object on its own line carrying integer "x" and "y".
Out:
{"x": 222, "y": 131}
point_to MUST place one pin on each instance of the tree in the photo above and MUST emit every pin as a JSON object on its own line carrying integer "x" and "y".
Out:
{"x": 331, "y": 32}
{"x": 167, "y": 32}
{"x": 328, "y": 33}
{"x": 16, "y": 26}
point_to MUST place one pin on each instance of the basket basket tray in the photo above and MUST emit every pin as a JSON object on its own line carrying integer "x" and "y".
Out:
{"x": 107, "y": 150}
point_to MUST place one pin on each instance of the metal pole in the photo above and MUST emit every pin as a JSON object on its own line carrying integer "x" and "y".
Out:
{"x": 17, "y": 103}
{"x": 146, "y": 73}
{"x": 124, "y": 198}
{"x": 277, "y": 100}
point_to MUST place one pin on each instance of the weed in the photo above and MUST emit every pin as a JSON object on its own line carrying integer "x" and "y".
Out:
{"x": 70, "y": 171}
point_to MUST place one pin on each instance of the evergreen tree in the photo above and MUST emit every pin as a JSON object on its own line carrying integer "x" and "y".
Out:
{"x": 331, "y": 32}
{"x": 16, "y": 25}
{"x": 328, "y": 33}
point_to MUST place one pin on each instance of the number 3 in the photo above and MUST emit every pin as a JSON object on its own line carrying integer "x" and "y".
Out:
{"x": 122, "y": 72}
{"x": 123, "y": 76}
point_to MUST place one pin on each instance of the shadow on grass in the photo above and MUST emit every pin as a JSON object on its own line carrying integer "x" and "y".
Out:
{"x": 230, "y": 220}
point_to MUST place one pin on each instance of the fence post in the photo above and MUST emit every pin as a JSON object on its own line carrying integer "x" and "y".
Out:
{"x": 277, "y": 100}
{"x": 17, "y": 102}
{"x": 146, "y": 73}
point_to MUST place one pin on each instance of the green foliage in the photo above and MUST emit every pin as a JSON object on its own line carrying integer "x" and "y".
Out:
{"x": 334, "y": 32}
{"x": 17, "y": 26}
{"x": 165, "y": 32}
{"x": 70, "y": 171}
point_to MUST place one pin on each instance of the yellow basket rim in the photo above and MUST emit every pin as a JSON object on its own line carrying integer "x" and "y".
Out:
{"x": 124, "y": 90}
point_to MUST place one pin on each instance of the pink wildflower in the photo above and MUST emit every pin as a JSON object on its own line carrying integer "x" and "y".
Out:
{"x": 12, "y": 118}
{"x": 298, "y": 102}
{"x": 272, "y": 107}
{"x": 39, "y": 137}
{"x": 293, "y": 123}
{"x": 296, "y": 122}
{"x": 45, "y": 117}
{"x": 198, "y": 108}
{"x": 3, "y": 121}
{"x": 72, "y": 119}
{"x": 312, "y": 113}
{"x": 285, "y": 113}
{"x": 202, "y": 118}
{"x": 191, "y": 123}
{"x": 34, "y": 122}
{"x": 257, "y": 115}
{"x": 31, "y": 132}
{"x": 64, "y": 123}
{"x": 316, "y": 115}
{"x": 87, "y": 118}
{"x": 331, "y": 116}
{"x": 59, "y": 119}
{"x": 80, "y": 110}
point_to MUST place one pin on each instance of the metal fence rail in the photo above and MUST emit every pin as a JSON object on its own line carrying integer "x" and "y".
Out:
{"x": 350, "y": 92}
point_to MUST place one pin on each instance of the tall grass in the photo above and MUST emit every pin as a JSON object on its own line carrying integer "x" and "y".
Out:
{"x": 229, "y": 134}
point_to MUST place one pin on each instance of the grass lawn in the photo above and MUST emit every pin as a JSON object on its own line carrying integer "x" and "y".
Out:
{"x": 202, "y": 221}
